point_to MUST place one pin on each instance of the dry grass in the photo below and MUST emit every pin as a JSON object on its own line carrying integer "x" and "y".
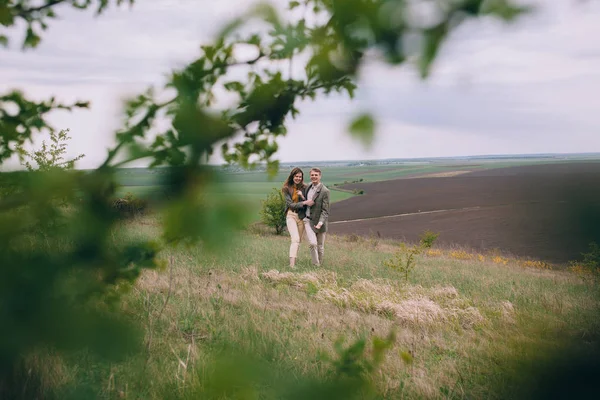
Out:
{"x": 461, "y": 321}
{"x": 407, "y": 305}
{"x": 417, "y": 313}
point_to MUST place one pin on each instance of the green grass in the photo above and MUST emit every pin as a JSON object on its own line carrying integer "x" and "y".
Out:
{"x": 250, "y": 191}
{"x": 472, "y": 329}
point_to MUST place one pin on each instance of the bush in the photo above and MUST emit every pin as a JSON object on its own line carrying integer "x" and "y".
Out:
{"x": 272, "y": 212}
{"x": 591, "y": 259}
{"x": 428, "y": 238}
{"x": 49, "y": 157}
{"x": 405, "y": 259}
{"x": 589, "y": 267}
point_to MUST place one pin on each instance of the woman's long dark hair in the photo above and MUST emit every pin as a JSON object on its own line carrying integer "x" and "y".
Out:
{"x": 289, "y": 182}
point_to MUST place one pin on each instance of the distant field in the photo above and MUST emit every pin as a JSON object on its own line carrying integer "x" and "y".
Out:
{"x": 251, "y": 193}
{"x": 547, "y": 211}
{"x": 252, "y": 187}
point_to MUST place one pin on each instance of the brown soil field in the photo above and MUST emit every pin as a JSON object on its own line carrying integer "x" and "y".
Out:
{"x": 549, "y": 212}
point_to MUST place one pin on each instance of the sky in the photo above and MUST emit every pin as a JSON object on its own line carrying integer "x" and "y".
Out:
{"x": 528, "y": 87}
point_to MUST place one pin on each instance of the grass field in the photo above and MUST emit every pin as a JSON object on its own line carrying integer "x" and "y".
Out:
{"x": 465, "y": 327}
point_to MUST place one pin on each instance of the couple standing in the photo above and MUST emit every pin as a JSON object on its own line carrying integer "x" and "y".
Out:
{"x": 306, "y": 213}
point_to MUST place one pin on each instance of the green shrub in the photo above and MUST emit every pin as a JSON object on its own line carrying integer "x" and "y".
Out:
{"x": 591, "y": 259}
{"x": 272, "y": 212}
{"x": 49, "y": 157}
{"x": 405, "y": 259}
{"x": 589, "y": 266}
{"x": 428, "y": 238}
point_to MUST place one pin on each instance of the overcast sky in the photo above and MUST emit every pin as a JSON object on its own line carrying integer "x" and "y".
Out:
{"x": 531, "y": 87}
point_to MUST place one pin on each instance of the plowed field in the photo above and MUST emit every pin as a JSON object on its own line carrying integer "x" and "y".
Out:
{"x": 549, "y": 212}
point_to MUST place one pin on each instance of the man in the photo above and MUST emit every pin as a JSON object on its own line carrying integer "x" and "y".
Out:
{"x": 317, "y": 213}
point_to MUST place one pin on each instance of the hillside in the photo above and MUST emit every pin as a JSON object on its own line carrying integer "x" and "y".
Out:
{"x": 543, "y": 211}
{"x": 483, "y": 327}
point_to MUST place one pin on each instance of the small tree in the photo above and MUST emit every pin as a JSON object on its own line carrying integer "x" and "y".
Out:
{"x": 405, "y": 259}
{"x": 428, "y": 238}
{"x": 272, "y": 212}
{"x": 51, "y": 156}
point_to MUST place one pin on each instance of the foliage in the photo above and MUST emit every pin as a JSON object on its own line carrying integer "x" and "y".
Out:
{"x": 363, "y": 129}
{"x": 52, "y": 157}
{"x": 272, "y": 212}
{"x": 36, "y": 15}
{"x": 428, "y": 238}
{"x": 589, "y": 267}
{"x": 21, "y": 119}
{"x": 353, "y": 362}
{"x": 591, "y": 259}
{"x": 405, "y": 258}
{"x": 61, "y": 273}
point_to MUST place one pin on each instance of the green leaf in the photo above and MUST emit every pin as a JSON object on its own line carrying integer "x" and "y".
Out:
{"x": 272, "y": 168}
{"x": 350, "y": 87}
{"x": 198, "y": 128}
{"x": 32, "y": 39}
{"x": 230, "y": 28}
{"x": 254, "y": 39}
{"x": 267, "y": 12}
{"x": 362, "y": 128}
{"x": 234, "y": 87}
{"x": 433, "y": 38}
{"x": 6, "y": 17}
{"x": 3, "y": 41}
{"x": 406, "y": 357}
{"x": 209, "y": 52}
{"x": 504, "y": 9}
{"x": 294, "y": 4}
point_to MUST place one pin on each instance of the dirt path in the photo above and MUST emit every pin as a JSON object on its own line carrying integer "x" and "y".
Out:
{"x": 404, "y": 215}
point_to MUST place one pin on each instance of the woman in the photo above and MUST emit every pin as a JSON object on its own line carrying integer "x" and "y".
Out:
{"x": 295, "y": 210}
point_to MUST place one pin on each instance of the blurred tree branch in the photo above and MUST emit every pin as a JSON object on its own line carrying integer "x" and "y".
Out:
{"x": 60, "y": 278}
